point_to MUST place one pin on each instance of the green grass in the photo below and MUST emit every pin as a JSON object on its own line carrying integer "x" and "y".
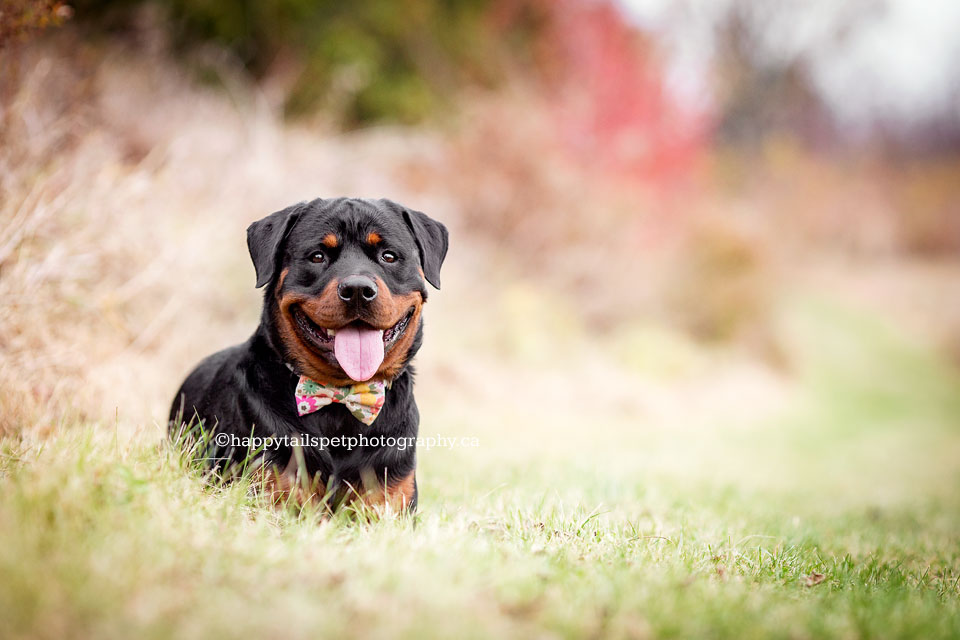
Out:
{"x": 634, "y": 533}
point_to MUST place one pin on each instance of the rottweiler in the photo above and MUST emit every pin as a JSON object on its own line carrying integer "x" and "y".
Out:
{"x": 324, "y": 385}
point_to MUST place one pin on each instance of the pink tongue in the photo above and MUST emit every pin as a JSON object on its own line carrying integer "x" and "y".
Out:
{"x": 359, "y": 352}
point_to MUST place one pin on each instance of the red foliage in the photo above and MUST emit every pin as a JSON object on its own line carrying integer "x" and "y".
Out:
{"x": 610, "y": 108}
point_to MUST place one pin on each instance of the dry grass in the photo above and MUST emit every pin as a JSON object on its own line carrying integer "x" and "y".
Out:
{"x": 126, "y": 189}
{"x": 123, "y": 214}
{"x": 643, "y": 469}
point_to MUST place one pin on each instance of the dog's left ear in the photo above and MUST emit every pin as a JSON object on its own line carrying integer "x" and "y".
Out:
{"x": 265, "y": 240}
{"x": 431, "y": 237}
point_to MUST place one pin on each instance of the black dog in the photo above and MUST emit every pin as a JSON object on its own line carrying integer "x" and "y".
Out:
{"x": 345, "y": 285}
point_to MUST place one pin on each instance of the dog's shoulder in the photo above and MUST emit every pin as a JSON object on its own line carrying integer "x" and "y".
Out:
{"x": 215, "y": 373}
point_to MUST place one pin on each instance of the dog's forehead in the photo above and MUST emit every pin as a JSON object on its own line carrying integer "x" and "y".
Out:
{"x": 349, "y": 217}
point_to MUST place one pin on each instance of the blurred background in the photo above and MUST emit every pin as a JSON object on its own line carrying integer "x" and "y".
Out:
{"x": 676, "y": 227}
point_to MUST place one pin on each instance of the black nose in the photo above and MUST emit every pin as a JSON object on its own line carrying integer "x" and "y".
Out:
{"x": 353, "y": 288}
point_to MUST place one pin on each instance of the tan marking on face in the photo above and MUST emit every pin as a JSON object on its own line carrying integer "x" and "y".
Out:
{"x": 323, "y": 310}
{"x": 283, "y": 276}
{"x": 328, "y": 311}
{"x": 374, "y": 238}
{"x": 395, "y": 359}
{"x": 330, "y": 241}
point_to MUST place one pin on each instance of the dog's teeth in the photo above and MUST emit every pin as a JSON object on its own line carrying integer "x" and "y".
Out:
{"x": 331, "y": 332}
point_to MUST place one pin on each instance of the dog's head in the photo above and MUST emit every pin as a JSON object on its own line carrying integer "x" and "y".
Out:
{"x": 346, "y": 283}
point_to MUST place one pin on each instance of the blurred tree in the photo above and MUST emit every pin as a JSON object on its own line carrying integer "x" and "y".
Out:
{"x": 765, "y": 82}
{"x": 373, "y": 60}
{"x": 19, "y": 18}
{"x": 605, "y": 83}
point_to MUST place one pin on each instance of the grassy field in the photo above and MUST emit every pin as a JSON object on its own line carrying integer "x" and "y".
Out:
{"x": 833, "y": 514}
{"x": 785, "y": 462}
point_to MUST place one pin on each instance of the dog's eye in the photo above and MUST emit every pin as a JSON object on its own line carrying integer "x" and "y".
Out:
{"x": 388, "y": 256}
{"x": 318, "y": 257}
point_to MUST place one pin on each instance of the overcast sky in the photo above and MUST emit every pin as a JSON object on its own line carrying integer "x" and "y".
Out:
{"x": 903, "y": 61}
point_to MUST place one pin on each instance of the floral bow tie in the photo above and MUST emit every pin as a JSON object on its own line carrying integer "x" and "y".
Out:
{"x": 364, "y": 400}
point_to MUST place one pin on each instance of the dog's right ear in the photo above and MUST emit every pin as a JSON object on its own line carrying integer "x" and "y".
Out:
{"x": 265, "y": 240}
